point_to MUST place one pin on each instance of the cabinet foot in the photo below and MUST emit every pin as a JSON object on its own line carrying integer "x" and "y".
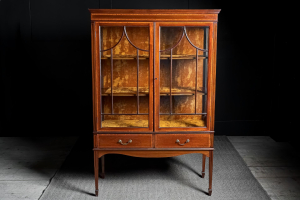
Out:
{"x": 96, "y": 169}
{"x": 209, "y": 192}
{"x": 102, "y": 175}
{"x": 210, "y": 173}
{"x": 203, "y": 165}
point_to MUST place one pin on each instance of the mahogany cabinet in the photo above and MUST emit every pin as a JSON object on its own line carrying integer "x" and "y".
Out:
{"x": 153, "y": 77}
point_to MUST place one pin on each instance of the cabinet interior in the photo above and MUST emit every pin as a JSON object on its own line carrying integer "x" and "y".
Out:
{"x": 125, "y": 101}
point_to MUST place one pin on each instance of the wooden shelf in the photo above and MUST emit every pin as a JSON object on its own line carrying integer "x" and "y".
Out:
{"x": 181, "y": 57}
{"x": 182, "y": 123}
{"x": 144, "y": 123}
{"x": 143, "y": 91}
{"x": 124, "y": 57}
{"x": 165, "y": 91}
{"x": 124, "y": 123}
{"x": 144, "y": 57}
{"x": 125, "y": 91}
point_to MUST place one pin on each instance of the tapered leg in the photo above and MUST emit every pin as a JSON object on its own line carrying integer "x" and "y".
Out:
{"x": 210, "y": 172}
{"x": 102, "y": 175}
{"x": 96, "y": 169}
{"x": 203, "y": 165}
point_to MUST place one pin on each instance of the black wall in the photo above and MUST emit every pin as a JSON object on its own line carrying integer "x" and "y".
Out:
{"x": 46, "y": 65}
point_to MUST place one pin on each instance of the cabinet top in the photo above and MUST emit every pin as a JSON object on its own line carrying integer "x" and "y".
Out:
{"x": 154, "y": 14}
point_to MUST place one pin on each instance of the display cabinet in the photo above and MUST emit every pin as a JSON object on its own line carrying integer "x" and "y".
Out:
{"x": 153, "y": 83}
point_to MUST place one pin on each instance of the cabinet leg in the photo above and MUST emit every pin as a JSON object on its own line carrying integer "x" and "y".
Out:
{"x": 102, "y": 175}
{"x": 203, "y": 165}
{"x": 96, "y": 170}
{"x": 210, "y": 172}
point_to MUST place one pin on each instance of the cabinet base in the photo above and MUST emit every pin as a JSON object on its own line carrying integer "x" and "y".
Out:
{"x": 151, "y": 154}
{"x": 102, "y": 175}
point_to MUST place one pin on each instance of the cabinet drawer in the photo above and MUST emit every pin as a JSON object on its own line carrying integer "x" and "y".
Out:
{"x": 124, "y": 140}
{"x": 182, "y": 140}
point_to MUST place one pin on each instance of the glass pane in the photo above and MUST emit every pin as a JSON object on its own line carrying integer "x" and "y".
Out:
{"x": 124, "y": 65}
{"x": 124, "y": 121}
{"x": 197, "y": 35}
{"x": 139, "y": 36}
{"x": 165, "y": 84}
{"x": 110, "y": 36}
{"x": 169, "y": 37}
{"x": 183, "y": 76}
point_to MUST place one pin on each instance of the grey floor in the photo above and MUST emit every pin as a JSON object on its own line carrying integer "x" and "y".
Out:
{"x": 28, "y": 164}
{"x": 276, "y": 165}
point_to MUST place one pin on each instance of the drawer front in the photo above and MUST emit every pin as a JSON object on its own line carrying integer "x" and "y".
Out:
{"x": 182, "y": 140}
{"x": 125, "y": 140}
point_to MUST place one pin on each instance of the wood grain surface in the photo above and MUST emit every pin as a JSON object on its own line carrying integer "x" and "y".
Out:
{"x": 138, "y": 140}
{"x": 169, "y": 140}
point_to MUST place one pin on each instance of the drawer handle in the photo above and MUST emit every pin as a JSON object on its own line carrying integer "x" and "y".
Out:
{"x": 178, "y": 142}
{"x": 129, "y": 141}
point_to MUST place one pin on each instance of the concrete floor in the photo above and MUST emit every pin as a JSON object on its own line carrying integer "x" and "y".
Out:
{"x": 276, "y": 165}
{"x": 28, "y": 164}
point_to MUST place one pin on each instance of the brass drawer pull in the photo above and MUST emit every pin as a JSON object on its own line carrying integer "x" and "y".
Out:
{"x": 129, "y": 141}
{"x": 178, "y": 142}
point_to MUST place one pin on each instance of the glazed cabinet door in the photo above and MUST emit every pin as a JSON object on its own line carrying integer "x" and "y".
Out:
{"x": 123, "y": 79}
{"x": 184, "y": 82}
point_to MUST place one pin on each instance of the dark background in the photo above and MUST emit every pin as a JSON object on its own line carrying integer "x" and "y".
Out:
{"x": 46, "y": 78}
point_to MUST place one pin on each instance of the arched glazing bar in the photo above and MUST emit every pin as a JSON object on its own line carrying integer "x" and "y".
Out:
{"x": 171, "y": 48}
{"x": 184, "y": 33}
{"x": 124, "y": 33}
{"x": 131, "y": 42}
{"x": 205, "y": 50}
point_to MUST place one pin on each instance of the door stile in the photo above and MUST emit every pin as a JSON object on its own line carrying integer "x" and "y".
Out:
{"x": 213, "y": 74}
{"x": 93, "y": 76}
{"x": 156, "y": 77}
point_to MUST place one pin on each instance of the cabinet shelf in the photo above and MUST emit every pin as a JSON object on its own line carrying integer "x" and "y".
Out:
{"x": 181, "y": 57}
{"x": 143, "y": 91}
{"x": 144, "y": 123}
{"x": 162, "y": 57}
{"x": 125, "y": 57}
